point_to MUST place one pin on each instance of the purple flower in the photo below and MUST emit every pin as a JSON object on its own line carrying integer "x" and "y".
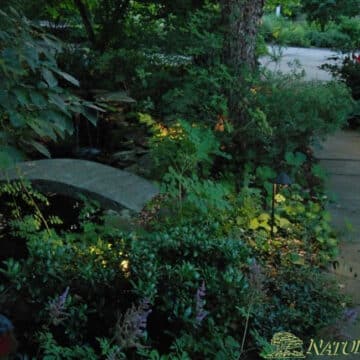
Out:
{"x": 201, "y": 313}
{"x": 131, "y": 327}
{"x": 57, "y": 308}
{"x": 256, "y": 276}
{"x": 350, "y": 315}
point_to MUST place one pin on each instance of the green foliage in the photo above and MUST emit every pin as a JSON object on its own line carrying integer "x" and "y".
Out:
{"x": 194, "y": 264}
{"x": 34, "y": 109}
{"x": 184, "y": 155}
{"x": 282, "y": 31}
{"x": 199, "y": 95}
{"x": 288, "y": 7}
{"x": 193, "y": 195}
{"x": 185, "y": 147}
{"x": 289, "y": 304}
{"x": 304, "y": 230}
{"x": 98, "y": 264}
{"x": 298, "y": 114}
{"x": 52, "y": 351}
{"x": 323, "y": 11}
{"x": 342, "y": 35}
{"x": 348, "y": 71}
{"x": 183, "y": 258}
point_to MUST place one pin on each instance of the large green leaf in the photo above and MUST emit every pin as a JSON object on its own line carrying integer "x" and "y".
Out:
{"x": 37, "y": 99}
{"x": 49, "y": 78}
{"x": 59, "y": 102}
{"x": 21, "y": 96}
{"x": 67, "y": 77}
{"x": 40, "y": 148}
{"x": 16, "y": 119}
{"x": 61, "y": 122}
{"x": 89, "y": 116}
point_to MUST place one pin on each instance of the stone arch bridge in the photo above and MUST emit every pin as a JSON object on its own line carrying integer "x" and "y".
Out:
{"x": 112, "y": 188}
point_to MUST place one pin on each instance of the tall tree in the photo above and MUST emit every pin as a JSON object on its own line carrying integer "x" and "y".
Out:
{"x": 240, "y": 20}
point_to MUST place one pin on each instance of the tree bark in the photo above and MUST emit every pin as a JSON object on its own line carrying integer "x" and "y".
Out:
{"x": 240, "y": 22}
{"x": 241, "y": 19}
{"x": 85, "y": 16}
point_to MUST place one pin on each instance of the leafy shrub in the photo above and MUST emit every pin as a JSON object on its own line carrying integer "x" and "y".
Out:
{"x": 324, "y": 11}
{"x": 347, "y": 71}
{"x": 332, "y": 38}
{"x": 185, "y": 257}
{"x": 199, "y": 95}
{"x": 184, "y": 156}
{"x": 297, "y": 113}
{"x": 341, "y": 35}
{"x": 34, "y": 108}
{"x": 289, "y": 305}
{"x": 193, "y": 278}
{"x": 185, "y": 147}
{"x": 302, "y": 231}
{"x": 94, "y": 266}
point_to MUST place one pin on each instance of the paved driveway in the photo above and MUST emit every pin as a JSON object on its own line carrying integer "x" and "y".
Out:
{"x": 310, "y": 59}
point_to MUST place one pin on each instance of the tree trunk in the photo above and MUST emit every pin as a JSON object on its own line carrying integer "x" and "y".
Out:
{"x": 241, "y": 19}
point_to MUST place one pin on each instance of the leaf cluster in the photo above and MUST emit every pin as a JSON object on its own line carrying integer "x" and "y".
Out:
{"x": 34, "y": 108}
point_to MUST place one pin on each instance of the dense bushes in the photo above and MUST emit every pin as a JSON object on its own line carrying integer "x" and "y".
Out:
{"x": 299, "y": 113}
{"x": 290, "y": 304}
{"x": 341, "y": 35}
{"x": 196, "y": 292}
{"x": 193, "y": 282}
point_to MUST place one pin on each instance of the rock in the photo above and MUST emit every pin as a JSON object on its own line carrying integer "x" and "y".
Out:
{"x": 146, "y": 162}
{"x": 123, "y": 219}
{"x": 143, "y": 166}
{"x": 141, "y": 151}
{"x": 87, "y": 153}
{"x": 124, "y": 158}
{"x": 120, "y": 97}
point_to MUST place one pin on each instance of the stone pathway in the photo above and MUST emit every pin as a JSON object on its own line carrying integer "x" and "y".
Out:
{"x": 340, "y": 157}
{"x": 113, "y": 188}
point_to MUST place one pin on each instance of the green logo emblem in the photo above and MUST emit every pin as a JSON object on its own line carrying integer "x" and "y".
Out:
{"x": 285, "y": 345}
